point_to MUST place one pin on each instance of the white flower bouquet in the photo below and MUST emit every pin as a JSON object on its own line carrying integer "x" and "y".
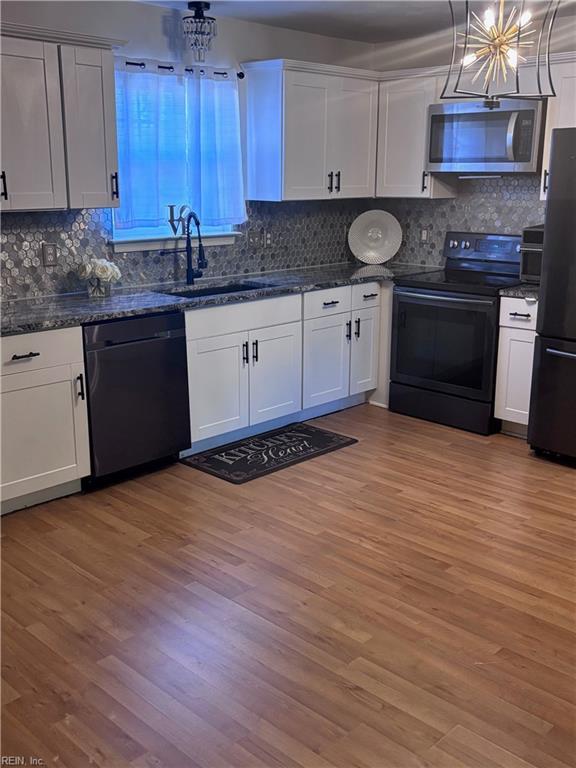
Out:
{"x": 100, "y": 274}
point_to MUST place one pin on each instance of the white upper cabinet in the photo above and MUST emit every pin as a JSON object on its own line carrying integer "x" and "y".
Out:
{"x": 310, "y": 135}
{"x": 90, "y": 121}
{"x": 561, "y": 113}
{"x": 402, "y": 124}
{"x": 58, "y": 127}
{"x": 33, "y": 166}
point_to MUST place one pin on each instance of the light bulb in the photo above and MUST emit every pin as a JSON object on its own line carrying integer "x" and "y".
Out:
{"x": 525, "y": 18}
{"x": 469, "y": 59}
{"x": 512, "y": 56}
{"x": 489, "y": 18}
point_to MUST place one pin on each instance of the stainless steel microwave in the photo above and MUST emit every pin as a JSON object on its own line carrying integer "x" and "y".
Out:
{"x": 468, "y": 137}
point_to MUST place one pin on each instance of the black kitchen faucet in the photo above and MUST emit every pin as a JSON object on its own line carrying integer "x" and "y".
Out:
{"x": 191, "y": 273}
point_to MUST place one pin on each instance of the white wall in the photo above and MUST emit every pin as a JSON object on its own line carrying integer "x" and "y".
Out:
{"x": 155, "y": 32}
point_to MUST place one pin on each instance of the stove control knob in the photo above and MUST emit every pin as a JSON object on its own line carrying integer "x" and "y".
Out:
{"x": 465, "y": 244}
{"x": 518, "y": 248}
{"x": 453, "y": 243}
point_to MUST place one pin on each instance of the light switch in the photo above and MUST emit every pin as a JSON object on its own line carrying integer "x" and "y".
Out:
{"x": 49, "y": 254}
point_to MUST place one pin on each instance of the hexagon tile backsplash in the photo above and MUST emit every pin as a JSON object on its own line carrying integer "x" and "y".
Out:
{"x": 302, "y": 234}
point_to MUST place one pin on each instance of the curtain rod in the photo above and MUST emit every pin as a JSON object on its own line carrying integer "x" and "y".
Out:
{"x": 170, "y": 68}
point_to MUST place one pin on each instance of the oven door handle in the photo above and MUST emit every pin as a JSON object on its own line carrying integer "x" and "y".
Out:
{"x": 560, "y": 353}
{"x": 449, "y": 299}
{"x": 510, "y": 135}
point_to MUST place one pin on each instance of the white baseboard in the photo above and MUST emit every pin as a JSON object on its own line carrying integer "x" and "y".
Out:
{"x": 305, "y": 415}
{"x": 377, "y": 404}
{"x": 512, "y": 429}
{"x": 40, "y": 497}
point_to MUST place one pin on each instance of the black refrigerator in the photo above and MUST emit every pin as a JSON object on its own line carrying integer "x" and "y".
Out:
{"x": 552, "y": 426}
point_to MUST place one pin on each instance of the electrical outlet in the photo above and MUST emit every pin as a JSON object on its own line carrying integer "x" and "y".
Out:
{"x": 424, "y": 235}
{"x": 49, "y": 254}
{"x": 267, "y": 239}
{"x": 255, "y": 238}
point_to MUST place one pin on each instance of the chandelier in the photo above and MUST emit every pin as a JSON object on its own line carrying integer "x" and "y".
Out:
{"x": 491, "y": 40}
{"x": 199, "y": 30}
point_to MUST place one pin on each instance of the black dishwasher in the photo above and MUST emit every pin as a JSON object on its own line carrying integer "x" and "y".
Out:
{"x": 137, "y": 384}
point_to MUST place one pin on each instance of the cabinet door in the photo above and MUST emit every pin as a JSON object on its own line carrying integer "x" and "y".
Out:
{"x": 326, "y": 372}
{"x": 276, "y": 372}
{"x": 218, "y": 374}
{"x": 306, "y": 98}
{"x": 44, "y": 429}
{"x": 33, "y": 166}
{"x": 90, "y": 120}
{"x": 402, "y": 124}
{"x": 352, "y": 121}
{"x": 514, "y": 374}
{"x": 364, "y": 353}
{"x": 561, "y": 113}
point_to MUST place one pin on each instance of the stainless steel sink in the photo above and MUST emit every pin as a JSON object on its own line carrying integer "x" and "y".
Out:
{"x": 217, "y": 290}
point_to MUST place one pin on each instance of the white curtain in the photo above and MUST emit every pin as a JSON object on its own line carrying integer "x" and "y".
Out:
{"x": 179, "y": 144}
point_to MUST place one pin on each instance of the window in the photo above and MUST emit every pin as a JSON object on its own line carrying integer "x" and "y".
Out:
{"x": 178, "y": 146}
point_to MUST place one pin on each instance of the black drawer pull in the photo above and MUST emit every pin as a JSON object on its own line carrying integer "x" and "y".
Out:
{"x": 370, "y": 296}
{"x": 525, "y": 315}
{"x": 115, "y": 186}
{"x": 349, "y": 330}
{"x": 331, "y": 303}
{"x": 255, "y": 351}
{"x": 424, "y": 183}
{"x": 4, "y": 192}
{"x": 545, "y": 185}
{"x": 27, "y": 356}
{"x": 245, "y": 353}
{"x": 80, "y": 380}
{"x": 331, "y": 181}
{"x": 338, "y": 180}
{"x": 357, "y": 331}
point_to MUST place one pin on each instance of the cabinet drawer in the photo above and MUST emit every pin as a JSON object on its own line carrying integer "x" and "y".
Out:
{"x": 327, "y": 302}
{"x": 232, "y": 318}
{"x": 32, "y": 351}
{"x": 518, "y": 313}
{"x": 365, "y": 295}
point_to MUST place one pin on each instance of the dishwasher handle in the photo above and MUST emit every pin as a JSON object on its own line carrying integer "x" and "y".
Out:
{"x": 112, "y": 344}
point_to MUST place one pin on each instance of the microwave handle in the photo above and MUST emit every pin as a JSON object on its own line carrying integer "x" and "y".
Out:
{"x": 510, "y": 135}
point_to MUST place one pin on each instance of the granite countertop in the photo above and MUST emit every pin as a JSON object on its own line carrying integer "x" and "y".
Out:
{"x": 522, "y": 291}
{"x": 42, "y": 314}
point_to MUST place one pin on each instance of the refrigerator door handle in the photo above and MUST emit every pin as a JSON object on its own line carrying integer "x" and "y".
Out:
{"x": 559, "y": 353}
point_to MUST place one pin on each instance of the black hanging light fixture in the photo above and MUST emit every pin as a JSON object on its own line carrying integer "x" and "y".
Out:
{"x": 199, "y": 29}
{"x": 491, "y": 40}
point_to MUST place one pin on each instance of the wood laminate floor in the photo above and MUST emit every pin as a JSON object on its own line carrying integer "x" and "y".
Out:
{"x": 407, "y": 602}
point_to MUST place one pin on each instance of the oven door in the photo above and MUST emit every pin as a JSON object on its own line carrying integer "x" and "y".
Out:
{"x": 445, "y": 342}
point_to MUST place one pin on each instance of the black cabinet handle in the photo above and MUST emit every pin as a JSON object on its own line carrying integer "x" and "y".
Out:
{"x": 4, "y": 192}
{"x": 115, "y": 186}
{"x": 255, "y": 351}
{"x": 357, "y": 331}
{"x": 545, "y": 185}
{"x": 338, "y": 180}
{"x": 424, "y": 184}
{"x": 245, "y": 353}
{"x": 331, "y": 181}
{"x": 331, "y": 303}
{"x": 370, "y": 296}
{"x": 27, "y": 356}
{"x": 525, "y": 315}
{"x": 349, "y": 330}
{"x": 80, "y": 379}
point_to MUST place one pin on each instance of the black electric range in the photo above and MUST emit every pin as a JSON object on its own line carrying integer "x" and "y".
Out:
{"x": 445, "y": 332}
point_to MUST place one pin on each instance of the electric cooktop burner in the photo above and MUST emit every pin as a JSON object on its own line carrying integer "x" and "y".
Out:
{"x": 475, "y": 263}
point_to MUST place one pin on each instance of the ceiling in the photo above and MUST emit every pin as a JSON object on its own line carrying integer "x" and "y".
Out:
{"x": 370, "y": 21}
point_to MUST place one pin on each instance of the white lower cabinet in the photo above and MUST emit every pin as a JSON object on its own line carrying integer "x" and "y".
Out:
{"x": 251, "y": 372}
{"x": 326, "y": 359}
{"x": 514, "y": 378}
{"x": 44, "y": 423}
{"x": 341, "y": 350}
{"x": 218, "y": 383}
{"x": 275, "y": 372}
